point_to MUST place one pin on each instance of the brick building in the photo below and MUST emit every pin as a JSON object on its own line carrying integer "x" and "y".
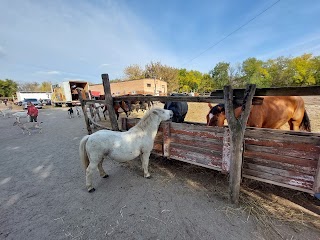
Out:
{"x": 141, "y": 86}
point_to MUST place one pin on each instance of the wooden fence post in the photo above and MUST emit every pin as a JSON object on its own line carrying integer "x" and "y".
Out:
{"x": 237, "y": 129}
{"x": 166, "y": 139}
{"x": 83, "y": 105}
{"x": 316, "y": 184}
{"x": 109, "y": 102}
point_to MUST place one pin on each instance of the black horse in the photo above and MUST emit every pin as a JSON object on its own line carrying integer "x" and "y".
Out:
{"x": 179, "y": 110}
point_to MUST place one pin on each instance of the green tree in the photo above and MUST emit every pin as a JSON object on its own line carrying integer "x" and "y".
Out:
{"x": 255, "y": 72}
{"x": 206, "y": 84}
{"x": 45, "y": 87}
{"x": 303, "y": 69}
{"x": 220, "y": 75}
{"x": 8, "y": 88}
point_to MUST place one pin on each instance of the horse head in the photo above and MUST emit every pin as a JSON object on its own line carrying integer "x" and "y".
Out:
{"x": 216, "y": 115}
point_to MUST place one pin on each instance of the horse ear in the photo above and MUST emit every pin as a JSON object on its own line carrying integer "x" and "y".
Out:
{"x": 210, "y": 105}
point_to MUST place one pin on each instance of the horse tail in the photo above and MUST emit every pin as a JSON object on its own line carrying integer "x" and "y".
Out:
{"x": 305, "y": 124}
{"x": 83, "y": 153}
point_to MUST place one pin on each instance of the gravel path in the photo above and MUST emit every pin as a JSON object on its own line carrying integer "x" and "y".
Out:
{"x": 43, "y": 194}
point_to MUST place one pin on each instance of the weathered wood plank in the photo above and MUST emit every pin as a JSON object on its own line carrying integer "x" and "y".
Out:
{"x": 109, "y": 102}
{"x": 286, "y": 150}
{"x": 279, "y": 179}
{"x": 196, "y": 132}
{"x": 175, "y": 154}
{"x": 166, "y": 138}
{"x": 202, "y": 142}
{"x": 280, "y": 172}
{"x": 257, "y": 134}
{"x": 281, "y": 159}
{"x": 316, "y": 185}
{"x": 226, "y": 156}
{"x": 299, "y": 168}
{"x": 278, "y": 184}
{"x": 194, "y": 154}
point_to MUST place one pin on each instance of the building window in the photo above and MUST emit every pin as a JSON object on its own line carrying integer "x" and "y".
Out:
{"x": 148, "y": 85}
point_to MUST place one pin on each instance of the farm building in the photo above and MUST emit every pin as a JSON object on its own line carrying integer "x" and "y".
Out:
{"x": 38, "y": 95}
{"x": 141, "y": 86}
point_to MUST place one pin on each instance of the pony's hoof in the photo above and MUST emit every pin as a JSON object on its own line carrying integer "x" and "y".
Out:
{"x": 148, "y": 177}
{"x": 106, "y": 176}
{"x": 91, "y": 190}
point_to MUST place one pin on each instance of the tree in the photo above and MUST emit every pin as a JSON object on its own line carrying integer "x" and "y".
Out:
{"x": 164, "y": 73}
{"x": 255, "y": 72}
{"x": 220, "y": 75}
{"x": 303, "y": 70}
{"x": 206, "y": 84}
{"x": 30, "y": 87}
{"x": 8, "y": 88}
{"x": 134, "y": 72}
{"x": 45, "y": 87}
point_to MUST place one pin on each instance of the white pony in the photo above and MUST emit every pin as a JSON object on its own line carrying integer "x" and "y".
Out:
{"x": 19, "y": 115}
{"x": 6, "y": 112}
{"x": 122, "y": 146}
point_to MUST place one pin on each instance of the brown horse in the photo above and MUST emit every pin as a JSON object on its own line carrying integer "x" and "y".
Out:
{"x": 273, "y": 113}
{"x": 117, "y": 105}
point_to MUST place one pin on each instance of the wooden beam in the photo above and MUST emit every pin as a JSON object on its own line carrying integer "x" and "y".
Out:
{"x": 255, "y": 101}
{"x": 109, "y": 102}
{"x": 283, "y": 91}
{"x": 237, "y": 129}
{"x": 316, "y": 185}
{"x": 83, "y": 105}
{"x": 166, "y": 139}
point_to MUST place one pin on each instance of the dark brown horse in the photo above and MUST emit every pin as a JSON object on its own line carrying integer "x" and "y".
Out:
{"x": 117, "y": 105}
{"x": 274, "y": 112}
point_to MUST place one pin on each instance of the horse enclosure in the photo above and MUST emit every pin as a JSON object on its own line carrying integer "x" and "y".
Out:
{"x": 289, "y": 159}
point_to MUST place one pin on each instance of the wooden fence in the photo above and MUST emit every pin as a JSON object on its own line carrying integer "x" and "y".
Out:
{"x": 285, "y": 158}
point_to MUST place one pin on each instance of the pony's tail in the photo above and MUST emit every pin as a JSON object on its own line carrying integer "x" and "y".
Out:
{"x": 305, "y": 124}
{"x": 83, "y": 153}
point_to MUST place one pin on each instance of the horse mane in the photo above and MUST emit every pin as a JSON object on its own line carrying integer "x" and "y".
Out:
{"x": 148, "y": 118}
{"x": 217, "y": 109}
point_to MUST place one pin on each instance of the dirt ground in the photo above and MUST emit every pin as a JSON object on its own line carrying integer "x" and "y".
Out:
{"x": 43, "y": 195}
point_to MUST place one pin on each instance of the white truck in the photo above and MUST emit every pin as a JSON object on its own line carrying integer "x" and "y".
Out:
{"x": 66, "y": 94}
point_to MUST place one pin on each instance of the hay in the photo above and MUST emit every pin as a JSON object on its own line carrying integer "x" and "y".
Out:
{"x": 268, "y": 207}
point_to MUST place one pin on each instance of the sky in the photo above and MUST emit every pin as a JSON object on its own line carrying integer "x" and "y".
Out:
{"x": 79, "y": 40}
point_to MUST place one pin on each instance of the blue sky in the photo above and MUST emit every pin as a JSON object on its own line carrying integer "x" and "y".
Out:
{"x": 63, "y": 40}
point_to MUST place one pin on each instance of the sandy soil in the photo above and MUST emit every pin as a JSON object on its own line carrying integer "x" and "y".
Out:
{"x": 43, "y": 194}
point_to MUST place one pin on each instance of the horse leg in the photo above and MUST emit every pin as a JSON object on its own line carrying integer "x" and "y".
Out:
{"x": 294, "y": 125}
{"x": 101, "y": 170}
{"x": 89, "y": 171}
{"x": 145, "y": 163}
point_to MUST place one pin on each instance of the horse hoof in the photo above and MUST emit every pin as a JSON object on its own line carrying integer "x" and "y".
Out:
{"x": 106, "y": 176}
{"x": 91, "y": 190}
{"x": 148, "y": 177}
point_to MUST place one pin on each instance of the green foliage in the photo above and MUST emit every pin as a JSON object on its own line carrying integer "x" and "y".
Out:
{"x": 302, "y": 70}
{"x": 8, "y": 88}
{"x": 220, "y": 75}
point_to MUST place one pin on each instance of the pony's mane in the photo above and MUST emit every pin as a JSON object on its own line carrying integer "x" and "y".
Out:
{"x": 147, "y": 118}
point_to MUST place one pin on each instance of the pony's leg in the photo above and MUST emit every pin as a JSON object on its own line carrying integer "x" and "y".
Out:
{"x": 101, "y": 170}
{"x": 145, "y": 163}
{"x": 92, "y": 166}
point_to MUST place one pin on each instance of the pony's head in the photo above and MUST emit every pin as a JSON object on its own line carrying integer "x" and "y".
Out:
{"x": 163, "y": 114}
{"x": 216, "y": 115}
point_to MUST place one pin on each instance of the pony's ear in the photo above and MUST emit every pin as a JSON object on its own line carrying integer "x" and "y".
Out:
{"x": 210, "y": 105}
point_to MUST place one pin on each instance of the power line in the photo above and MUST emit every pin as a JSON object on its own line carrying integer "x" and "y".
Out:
{"x": 222, "y": 39}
